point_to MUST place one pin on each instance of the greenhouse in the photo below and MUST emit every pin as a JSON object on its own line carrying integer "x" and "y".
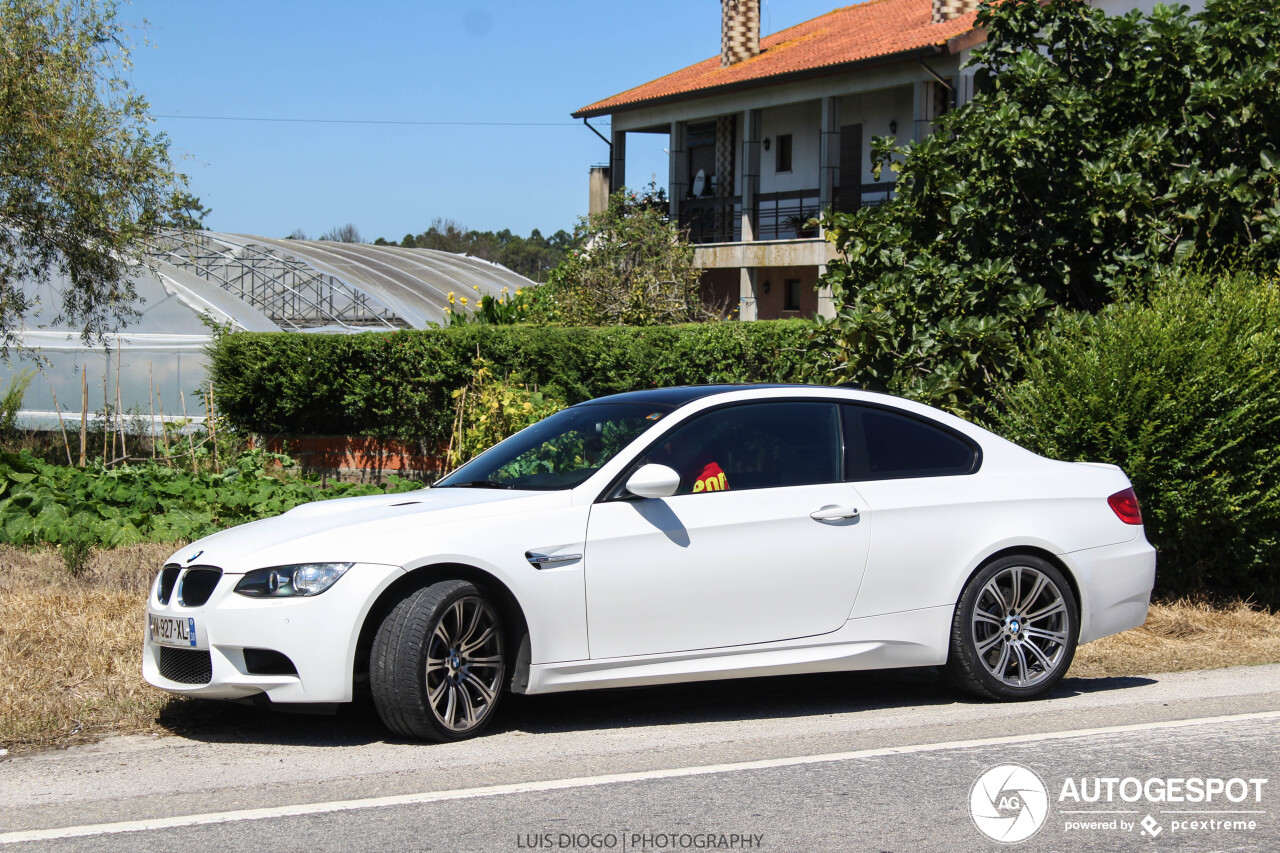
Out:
{"x": 197, "y": 279}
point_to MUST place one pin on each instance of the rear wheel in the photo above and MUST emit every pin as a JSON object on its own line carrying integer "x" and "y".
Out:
{"x": 1014, "y": 631}
{"x": 438, "y": 663}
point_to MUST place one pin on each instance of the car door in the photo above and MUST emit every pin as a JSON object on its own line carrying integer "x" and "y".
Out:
{"x": 931, "y": 512}
{"x": 762, "y": 542}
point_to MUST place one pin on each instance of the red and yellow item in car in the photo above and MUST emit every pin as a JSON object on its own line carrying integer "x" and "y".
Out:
{"x": 712, "y": 479}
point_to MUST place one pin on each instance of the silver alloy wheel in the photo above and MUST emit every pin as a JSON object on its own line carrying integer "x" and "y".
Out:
{"x": 1020, "y": 626}
{"x": 464, "y": 665}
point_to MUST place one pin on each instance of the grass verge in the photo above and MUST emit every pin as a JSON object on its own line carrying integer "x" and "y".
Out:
{"x": 70, "y": 647}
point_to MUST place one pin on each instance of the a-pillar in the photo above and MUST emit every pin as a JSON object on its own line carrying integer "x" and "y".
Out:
{"x": 618, "y": 162}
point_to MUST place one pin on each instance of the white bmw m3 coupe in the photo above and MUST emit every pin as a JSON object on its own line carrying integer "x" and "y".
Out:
{"x": 664, "y": 536}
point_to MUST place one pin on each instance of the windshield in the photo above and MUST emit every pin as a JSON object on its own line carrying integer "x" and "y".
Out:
{"x": 559, "y": 452}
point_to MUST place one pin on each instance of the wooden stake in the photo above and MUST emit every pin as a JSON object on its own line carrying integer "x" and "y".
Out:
{"x": 84, "y": 414}
{"x": 124, "y": 453}
{"x": 106, "y": 414}
{"x": 164, "y": 427}
{"x": 190, "y": 444}
{"x": 213, "y": 430}
{"x": 151, "y": 380}
{"x": 61, "y": 425}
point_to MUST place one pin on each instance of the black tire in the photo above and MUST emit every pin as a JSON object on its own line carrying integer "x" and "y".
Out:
{"x": 1014, "y": 632}
{"x": 438, "y": 664}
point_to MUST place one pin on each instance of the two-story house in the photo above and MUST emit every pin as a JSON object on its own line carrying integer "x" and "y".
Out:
{"x": 773, "y": 131}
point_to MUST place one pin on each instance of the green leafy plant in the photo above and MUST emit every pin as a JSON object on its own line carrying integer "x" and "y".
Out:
{"x": 110, "y": 507}
{"x": 1182, "y": 390}
{"x": 75, "y": 555}
{"x": 489, "y": 408}
{"x": 11, "y": 400}
{"x": 1097, "y": 151}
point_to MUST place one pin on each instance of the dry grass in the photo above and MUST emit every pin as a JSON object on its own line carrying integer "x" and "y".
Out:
{"x": 1185, "y": 634}
{"x": 70, "y": 648}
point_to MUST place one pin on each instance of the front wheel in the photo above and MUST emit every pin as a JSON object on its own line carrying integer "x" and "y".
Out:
{"x": 438, "y": 663}
{"x": 1014, "y": 631}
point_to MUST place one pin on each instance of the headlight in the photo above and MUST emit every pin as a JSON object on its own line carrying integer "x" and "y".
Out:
{"x": 288, "y": 581}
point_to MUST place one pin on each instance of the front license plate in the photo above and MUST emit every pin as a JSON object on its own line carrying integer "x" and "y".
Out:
{"x": 173, "y": 630}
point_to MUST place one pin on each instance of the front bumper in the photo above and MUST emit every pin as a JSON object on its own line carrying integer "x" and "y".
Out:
{"x": 318, "y": 635}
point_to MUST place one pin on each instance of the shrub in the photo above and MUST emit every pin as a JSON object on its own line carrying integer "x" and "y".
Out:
{"x": 1181, "y": 390}
{"x": 400, "y": 384}
{"x": 632, "y": 267}
{"x": 1097, "y": 150}
{"x": 489, "y": 409}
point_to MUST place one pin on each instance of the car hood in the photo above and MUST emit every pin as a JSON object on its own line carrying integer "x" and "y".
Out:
{"x": 344, "y": 529}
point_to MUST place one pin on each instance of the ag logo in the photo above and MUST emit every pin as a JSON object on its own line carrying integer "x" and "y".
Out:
{"x": 1008, "y": 803}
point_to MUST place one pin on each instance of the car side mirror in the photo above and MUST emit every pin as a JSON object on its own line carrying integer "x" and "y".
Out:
{"x": 653, "y": 481}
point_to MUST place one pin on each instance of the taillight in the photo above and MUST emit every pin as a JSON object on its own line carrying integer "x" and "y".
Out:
{"x": 1125, "y": 506}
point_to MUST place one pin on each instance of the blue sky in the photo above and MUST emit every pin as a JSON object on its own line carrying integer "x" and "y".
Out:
{"x": 533, "y": 62}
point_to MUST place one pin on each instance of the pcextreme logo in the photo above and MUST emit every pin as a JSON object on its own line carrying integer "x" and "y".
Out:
{"x": 1008, "y": 803}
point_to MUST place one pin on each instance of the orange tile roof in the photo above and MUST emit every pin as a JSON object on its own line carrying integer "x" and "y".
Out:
{"x": 880, "y": 28}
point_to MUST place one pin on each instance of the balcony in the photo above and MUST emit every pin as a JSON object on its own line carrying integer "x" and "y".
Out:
{"x": 778, "y": 216}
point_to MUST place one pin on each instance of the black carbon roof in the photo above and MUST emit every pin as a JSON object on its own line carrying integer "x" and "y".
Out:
{"x": 681, "y": 394}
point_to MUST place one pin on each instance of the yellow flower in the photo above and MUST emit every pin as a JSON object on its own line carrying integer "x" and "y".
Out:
{"x": 450, "y": 297}
{"x": 463, "y": 300}
{"x": 476, "y": 288}
{"x": 504, "y": 290}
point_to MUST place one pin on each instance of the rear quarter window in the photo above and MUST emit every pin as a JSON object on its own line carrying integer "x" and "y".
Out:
{"x": 881, "y": 444}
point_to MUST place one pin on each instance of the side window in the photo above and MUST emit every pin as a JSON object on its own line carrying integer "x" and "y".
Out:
{"x": 754, "y": 446}
{"x": 885, "y": 445}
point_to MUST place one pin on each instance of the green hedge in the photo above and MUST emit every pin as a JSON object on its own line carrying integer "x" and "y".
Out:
{"x": 1182, "y": 391}
{"x": 399, "y": 384}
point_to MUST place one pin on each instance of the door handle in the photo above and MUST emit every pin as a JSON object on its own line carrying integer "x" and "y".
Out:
{"x": 833, "y": 513}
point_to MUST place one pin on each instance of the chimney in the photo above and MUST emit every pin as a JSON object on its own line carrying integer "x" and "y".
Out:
{"x": 740, "y": 30}
{"x": 945, "y": 10}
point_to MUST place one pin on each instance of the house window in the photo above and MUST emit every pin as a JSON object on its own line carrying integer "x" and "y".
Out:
{"x": 791, "y": 295}
{"x": 784, "y": 153}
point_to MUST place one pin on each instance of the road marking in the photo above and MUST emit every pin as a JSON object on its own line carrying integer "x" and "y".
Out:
{"x": 591, "y": 781}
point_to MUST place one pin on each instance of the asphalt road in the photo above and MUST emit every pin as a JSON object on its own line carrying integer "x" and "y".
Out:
{"x": 879, "y": 761}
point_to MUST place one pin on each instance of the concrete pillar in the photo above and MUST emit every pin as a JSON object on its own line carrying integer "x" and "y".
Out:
{"x": 618, "y": 165}
{"x": 826, "y": 305}
{"x": 750, "y": 173}
{"x": 829, "y": 154}
{"x": 678, "y": 169}
{"x": 747, "y": 294}
{"x": 921, "y": 108}
{"x": 598, "y": 192}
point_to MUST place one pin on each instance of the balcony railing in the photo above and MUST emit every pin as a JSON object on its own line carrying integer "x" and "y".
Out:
{"x": 779, "y": 216}
{"x": 712, "y": 220}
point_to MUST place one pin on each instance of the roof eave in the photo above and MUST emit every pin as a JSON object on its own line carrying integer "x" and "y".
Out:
{"x": 953, "y": 45}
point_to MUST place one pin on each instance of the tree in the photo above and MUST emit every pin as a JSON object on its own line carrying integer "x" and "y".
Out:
{"x": 1097, "y": 150}
{"x": 343, "y": 234}
{"x": 83, "y": 178}
{"x": 185, "y": 212}
{"x": 633, "y": 267}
